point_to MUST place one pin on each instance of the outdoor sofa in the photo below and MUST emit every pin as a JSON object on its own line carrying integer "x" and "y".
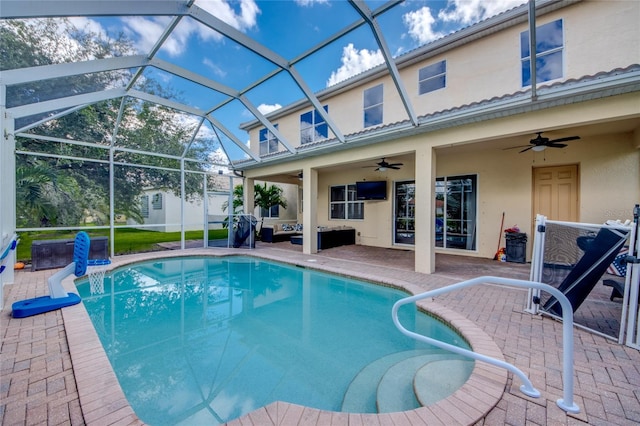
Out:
{"x": 280, "y": 232}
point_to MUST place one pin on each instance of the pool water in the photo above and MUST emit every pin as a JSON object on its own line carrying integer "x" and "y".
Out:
{"x": 204, "y": 340}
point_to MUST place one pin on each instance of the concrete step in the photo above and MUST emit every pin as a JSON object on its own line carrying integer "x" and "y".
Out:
{"x": 360, "y": 396}
{"x": 395, "y": 389}
{"x": 438, "y": 379}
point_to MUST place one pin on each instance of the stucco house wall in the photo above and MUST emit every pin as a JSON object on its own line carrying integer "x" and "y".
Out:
{"x": 484, "y": 70}
{"x": 608, "y": 164}
{"x": 288, "y": 214}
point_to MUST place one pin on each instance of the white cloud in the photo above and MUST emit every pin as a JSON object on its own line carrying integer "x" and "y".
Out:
{"x": 266, "y": 108}
{"x": 247, "y": 18}
{"x": 214, "y": 67}
{"x": 148, "y": 30}
{"x": 470, "y": 11}
{"x": 305, "y": 3}
{"x": 420, "y": 25}
{"x": 354, "y": 62}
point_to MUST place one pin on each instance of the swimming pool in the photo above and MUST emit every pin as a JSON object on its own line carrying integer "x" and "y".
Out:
{"x": 205, "y": 340}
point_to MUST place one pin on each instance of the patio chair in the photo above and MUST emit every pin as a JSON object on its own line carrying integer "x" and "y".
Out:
{"x": 599, "y": 253}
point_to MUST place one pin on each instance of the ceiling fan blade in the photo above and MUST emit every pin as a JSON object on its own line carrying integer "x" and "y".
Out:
{"x": 556, "y": 145}
{"x": 569, "y": 138}
{"x": 394, "y": 164}
{"x": 394, "y": 167}
{"x": 515, "y": 147}
{"x": 526, "y": 149}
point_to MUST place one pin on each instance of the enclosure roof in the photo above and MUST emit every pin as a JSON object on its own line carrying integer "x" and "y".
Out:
{"x": 235, "y": 62}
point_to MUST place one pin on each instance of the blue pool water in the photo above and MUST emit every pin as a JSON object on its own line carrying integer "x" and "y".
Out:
{"x": 204, "y": 340}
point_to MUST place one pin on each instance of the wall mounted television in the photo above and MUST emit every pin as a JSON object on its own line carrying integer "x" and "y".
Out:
{"x": 371, "y": 190}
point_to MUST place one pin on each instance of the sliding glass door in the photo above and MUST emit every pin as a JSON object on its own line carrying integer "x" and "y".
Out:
{"x": 456, "y": 212}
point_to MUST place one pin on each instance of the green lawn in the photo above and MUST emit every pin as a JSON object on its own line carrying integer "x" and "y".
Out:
{"x": 126, "y": 240}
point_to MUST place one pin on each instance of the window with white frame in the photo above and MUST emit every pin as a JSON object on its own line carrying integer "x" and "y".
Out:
{"x": 273, "y": 212}
{"x": 372, "y": 104}
{"x": 432, "y": 77}
{"x": 156, "y": 201}
{"x": 268, "y": 141}
{"x": 344, "y": 203}
{"x": 548, "y": 56}
{"x": 313, "y": 127}
{"x": 144, "y": 206}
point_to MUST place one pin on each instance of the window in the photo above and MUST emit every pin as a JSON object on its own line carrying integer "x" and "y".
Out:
{"x": 456, "y": 212}
{"x": 432, "y": 77}
{"x": 156, "y": 202}
{"x": 268, "y": 142}
{"x": 313, "y": 127}
{"x": 144, "y": 206}
{"x": 273, "y": 212}
{"x": 344, "y": 203}
{"x": 373, "y": 106}
{"x": 405, "y": 212}
{"x": 549, "y": 46}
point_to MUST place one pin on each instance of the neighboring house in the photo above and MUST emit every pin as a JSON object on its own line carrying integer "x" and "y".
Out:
{"x": 459, "y": 118}
{"x": 163, "y": 208}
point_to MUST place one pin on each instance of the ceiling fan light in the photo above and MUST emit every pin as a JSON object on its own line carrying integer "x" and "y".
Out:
{"x": 538, "y": 148}
{"x": 382, "y": 169}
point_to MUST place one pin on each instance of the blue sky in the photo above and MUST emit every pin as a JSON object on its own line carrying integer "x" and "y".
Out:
{"x": 290, "y": 28}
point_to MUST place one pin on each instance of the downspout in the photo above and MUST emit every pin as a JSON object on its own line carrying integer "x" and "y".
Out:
{"x": 533, "y": 54}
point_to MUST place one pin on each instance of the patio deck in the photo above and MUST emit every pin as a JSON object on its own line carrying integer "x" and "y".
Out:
{"x": 39, "y": 383}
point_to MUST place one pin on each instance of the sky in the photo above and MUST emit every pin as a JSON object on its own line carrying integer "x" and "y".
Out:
{"x": 290, "y": 28}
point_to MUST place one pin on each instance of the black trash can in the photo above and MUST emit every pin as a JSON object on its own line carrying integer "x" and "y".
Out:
{"x": 516, "y": 247}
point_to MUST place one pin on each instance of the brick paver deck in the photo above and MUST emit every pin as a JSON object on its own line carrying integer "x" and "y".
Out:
{"x": 52, "y": 370}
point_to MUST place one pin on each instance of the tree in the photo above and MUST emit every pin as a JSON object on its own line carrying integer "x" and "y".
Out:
{"x": 44, "y": 200}
{"x": 265, "y": 197}
{"x": 238, "y": 200}
{"x": 81, "y": 188}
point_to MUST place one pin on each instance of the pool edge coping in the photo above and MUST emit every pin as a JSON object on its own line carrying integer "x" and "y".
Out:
{"x": 103, "y": 401}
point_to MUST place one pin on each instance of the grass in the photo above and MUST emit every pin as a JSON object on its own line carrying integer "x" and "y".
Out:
{"x": 127, "y": 240}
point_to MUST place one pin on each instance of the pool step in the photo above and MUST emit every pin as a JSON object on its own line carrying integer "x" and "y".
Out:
{"x": 360, "y": 397}
{"x": 405, "y": 381}
{"x": 396, "y": 388}
{"x": 438, "y": 379}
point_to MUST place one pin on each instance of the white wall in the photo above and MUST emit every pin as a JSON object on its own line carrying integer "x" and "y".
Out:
{"x": 170, "y": 213}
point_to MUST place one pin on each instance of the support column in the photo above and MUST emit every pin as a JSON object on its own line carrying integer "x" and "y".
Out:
{"x": 425, "y": 173}
{"x": 7, "y": 192}
{"x": 249, "y": 195}
{"x": 309, "y": 208}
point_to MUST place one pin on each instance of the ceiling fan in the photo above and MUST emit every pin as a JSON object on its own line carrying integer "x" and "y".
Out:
{"x": 540, "y": 143}
{"x": 382, "y": 165}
